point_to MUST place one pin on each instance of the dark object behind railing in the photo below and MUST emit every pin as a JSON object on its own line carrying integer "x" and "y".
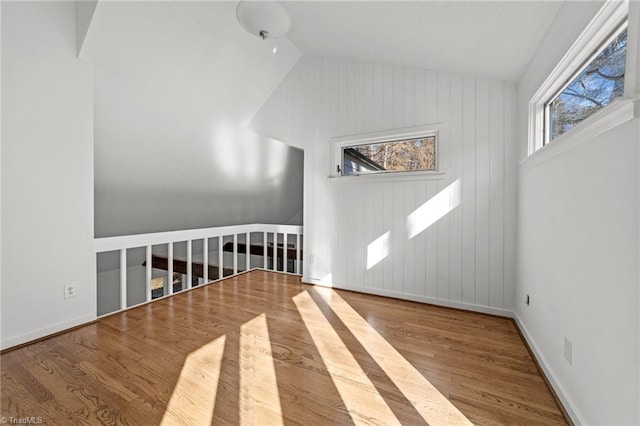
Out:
{"x": 258, "y": 250}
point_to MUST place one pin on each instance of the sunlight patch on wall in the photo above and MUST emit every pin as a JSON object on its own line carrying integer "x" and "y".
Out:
{"x": 194, "y": 396}
{"x": 259, "y": 397}
{"x": 434, "y": 209}
{"x": 427, "y": 400}
{"x": 378, "y": 249}
{"x": 242, "y": 154}
{"x": 359, "y": 395}
{"x": 326, "y": 281}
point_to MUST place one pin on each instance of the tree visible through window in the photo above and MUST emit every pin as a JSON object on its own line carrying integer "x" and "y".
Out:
{"x": 599, "y": 83}
{"x": 395, "y": 156}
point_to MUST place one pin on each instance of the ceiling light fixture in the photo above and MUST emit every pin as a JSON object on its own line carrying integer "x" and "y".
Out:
{"x": 263, "y": 19}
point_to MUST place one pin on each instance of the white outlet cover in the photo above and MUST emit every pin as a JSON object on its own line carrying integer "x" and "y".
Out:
{"x": 568, "y": 349}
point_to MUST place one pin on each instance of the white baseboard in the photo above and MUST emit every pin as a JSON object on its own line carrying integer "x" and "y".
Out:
{"x": 413, "y": 298}
{"x": 8, "y": 342}
{"x": 573, "y": 413}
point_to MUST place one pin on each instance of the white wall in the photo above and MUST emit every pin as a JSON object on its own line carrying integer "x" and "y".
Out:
{"x": 467, "y": 258}
{"x": 578, "y": 221}
{"x": 47, "y": 172}
{"x": 175, "y": 85}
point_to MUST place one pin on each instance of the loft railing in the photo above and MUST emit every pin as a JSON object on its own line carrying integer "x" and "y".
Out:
{"x": 271, "y": 247}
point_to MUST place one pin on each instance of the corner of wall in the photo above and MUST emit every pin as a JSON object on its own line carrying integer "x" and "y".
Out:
{"x": 559, "y": 390}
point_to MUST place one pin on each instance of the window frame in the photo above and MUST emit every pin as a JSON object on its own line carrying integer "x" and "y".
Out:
{"x": 611, "y": 17}
{"x": 338, "y": 144}
{"x": 621, "y": 27}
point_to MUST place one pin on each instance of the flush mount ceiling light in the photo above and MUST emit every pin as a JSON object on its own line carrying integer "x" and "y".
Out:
{"x": 263, "y": 19}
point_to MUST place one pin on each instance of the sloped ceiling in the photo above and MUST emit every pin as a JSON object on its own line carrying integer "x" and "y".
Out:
{"x": 175, "y": 85}
{"x": 493, "y": 39}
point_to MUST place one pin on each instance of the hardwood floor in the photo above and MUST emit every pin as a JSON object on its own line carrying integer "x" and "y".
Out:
{"x": 262, "y": 348}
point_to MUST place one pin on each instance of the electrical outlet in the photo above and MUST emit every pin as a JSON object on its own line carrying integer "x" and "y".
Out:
{"x": 568, "y": 349}
{"x": 312, "y": 259}
{"x": 69, "y": 291}
{"x": 527, "y": 300}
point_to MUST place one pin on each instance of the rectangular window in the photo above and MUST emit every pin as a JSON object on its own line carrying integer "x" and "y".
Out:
{"x": 599, "y": 81}
{"x": 406, "y": 155}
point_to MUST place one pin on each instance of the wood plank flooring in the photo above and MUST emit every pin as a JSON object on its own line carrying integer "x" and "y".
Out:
{"x": 262, "y": 348}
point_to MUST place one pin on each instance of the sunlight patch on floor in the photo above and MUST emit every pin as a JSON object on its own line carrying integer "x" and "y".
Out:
{"x": 194, "y": 395}
{"x": 427, "y": 400}
{"x": 259, "y": 397}
{"x": 360, "y": 396}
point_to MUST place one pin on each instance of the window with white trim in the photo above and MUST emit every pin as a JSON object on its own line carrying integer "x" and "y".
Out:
{"x": 409, "y": 155}
{"x": 595, "y": 85}
{"x": 587, "y": 80}
{"x": 394, "y": 152}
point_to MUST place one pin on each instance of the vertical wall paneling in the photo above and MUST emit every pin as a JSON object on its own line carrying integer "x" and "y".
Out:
{"x": 351, "y": 98}
{"x": 431, "y": 258}
{"x": 455, "y": 173}
{"x": 398, "y": 236}
{"x": 342, "y": 99}
{"x": 482, "y": 191}
{"x": 397, "y": 94}
{"x": 409, "y": 247}
{"x": 469, "y": 190}
{"x": 467, "y": 255}
{"x": 360, "y": 253}
{"x": 377, "y": 195}
{"x": 510, "y": 196}
{"x": 378, "y": 122}
{"x": 342, "y": 217}
{"x": 420, "y": 243}
{"x": 374, "y": 270}
{"x": 368, "y": 104}
{"x": 431, "y": 97}
{"x": 408, "y": 97}
{"x": 443, "y": 236}
{"x": 420, "y": 112}
{"x": 387, "y": 221}
{"x": 496, "y": 198}
{"x": 388, "y": 117}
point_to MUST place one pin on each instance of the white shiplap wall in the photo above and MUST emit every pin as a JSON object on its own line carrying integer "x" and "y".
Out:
{"x": 467, "y": 258}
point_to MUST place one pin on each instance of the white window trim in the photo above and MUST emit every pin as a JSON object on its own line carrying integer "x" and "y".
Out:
{"x": 338, "y": 143}
{"x": 613, "y": 115}
{"x": 607, "y": 20}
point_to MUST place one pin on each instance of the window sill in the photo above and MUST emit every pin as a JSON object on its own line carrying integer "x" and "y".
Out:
{"x": 389, "y": 177}
{"x": 613, "y": 115}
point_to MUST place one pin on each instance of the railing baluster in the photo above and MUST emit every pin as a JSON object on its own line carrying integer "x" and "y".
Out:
{"x": 123, "y": 278}
{"x": 298, "y": 260}
{"x": 247, "y": 241}
{"x": 235, "y": 254}
{"x": 189, "y": 264}
{"x": 285, "y": 255}
{"x": 170, "y": 269}
{"x": 205, "y": 260}
{"x": 275, "y": 251}
{"x": 148, "y": 275}
{"x": 264, "y": 253}
{"x": 220, "y": 259}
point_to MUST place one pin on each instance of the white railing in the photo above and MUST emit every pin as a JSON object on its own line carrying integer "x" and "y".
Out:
{"x": 148, "y": 241}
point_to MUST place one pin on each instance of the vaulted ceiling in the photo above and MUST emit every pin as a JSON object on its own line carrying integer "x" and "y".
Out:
{"x": 177, "y": 82}
{"x": 494, "y": 39}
